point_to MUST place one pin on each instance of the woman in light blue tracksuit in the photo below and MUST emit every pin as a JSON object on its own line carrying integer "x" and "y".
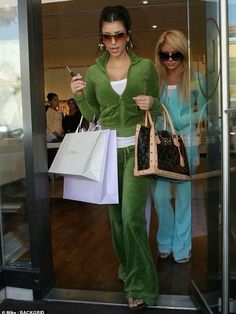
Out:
{"x": 181, "y": 94}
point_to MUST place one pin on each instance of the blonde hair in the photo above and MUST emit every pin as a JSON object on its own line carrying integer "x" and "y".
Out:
{"x": 179, "y": 42}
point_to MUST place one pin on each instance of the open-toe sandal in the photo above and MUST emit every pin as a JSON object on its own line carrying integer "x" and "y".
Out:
{"x": 164, "y": 255}
{"x": 136, "y": 304}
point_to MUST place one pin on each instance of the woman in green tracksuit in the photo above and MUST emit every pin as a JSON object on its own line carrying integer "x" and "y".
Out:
{"x": 118, "y": 89}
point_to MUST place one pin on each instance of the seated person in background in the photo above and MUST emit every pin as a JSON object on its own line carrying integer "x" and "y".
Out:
{"x": 71, "y": 121}
{"x": 54, "y": 119}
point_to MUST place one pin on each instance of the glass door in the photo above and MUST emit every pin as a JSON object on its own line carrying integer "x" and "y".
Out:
{"x": 214, "y": 184}
{"x": 24, "y": 209}
{"x": 232, "y": 154}
{"x": 14, "y": 219}
{"x": 66, "y": 28}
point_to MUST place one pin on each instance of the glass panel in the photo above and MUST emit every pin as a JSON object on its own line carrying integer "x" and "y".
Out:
{"x": 60, "y": 32}
{"x": 232, "y": 124}
{"x": 206, "y": 190}
{"x": 67, "y": 31}
{"x": 14, "y": 225}
{"x": 232, "y": 219}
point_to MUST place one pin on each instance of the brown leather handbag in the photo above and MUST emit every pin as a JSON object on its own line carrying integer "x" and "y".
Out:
{"x": 160, "y": 153}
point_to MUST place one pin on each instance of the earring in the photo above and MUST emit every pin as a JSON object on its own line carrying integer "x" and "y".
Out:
{"x": 101, "y": 46}
{"x": 129, "y": 46}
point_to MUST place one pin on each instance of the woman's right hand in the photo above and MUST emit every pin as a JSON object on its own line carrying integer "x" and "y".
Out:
{"x": 77, "y": 85}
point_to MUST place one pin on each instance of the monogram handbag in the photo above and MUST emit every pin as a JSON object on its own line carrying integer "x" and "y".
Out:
{"x": 160, "y": 153}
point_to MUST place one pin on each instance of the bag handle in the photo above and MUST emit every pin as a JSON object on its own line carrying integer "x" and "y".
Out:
{"x": 174, "y": 135}
{"x": 168, "y": 118}
{"x": 93, "y": 126}
{"x": 80, "y": 123}
{"x": 148, "y": 119}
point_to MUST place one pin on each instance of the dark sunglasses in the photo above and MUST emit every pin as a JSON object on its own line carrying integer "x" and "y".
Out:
{"x": 105, "y": 37}
{"x": 177, "y": 56}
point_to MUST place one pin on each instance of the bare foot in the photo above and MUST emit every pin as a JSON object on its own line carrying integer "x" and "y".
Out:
{"x": 135, "y": 304}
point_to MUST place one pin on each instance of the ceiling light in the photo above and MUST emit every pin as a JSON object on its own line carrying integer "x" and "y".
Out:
{"x": 144, "y": 1}
{"x": 154, "y": 26}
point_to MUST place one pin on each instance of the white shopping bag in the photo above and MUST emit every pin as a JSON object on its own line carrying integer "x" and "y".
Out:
{"x": 81, "y": 154}
{"x": 104, "y": 191}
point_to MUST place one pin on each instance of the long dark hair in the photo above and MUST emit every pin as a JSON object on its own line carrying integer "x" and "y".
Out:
{"x": 116, "y": 13}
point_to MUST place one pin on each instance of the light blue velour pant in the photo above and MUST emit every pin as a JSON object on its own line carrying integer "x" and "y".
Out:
{"x": 174, "y": 230}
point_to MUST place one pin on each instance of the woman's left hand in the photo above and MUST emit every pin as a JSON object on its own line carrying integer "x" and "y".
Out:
{"x": 144, "y": 102}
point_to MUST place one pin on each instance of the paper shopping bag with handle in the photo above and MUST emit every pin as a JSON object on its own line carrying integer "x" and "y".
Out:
{"x": 81, "y": 153}
{"x": 104, "y": 191}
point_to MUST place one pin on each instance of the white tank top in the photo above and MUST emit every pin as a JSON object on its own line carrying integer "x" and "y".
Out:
{"x": 119, "y": 87}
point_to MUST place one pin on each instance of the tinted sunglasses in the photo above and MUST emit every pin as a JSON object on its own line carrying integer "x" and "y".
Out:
{"x": 105, "y": 37}
{"x": 177, "y": 56}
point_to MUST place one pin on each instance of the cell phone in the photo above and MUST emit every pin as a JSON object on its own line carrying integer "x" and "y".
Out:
{"x": 71, "y": 72}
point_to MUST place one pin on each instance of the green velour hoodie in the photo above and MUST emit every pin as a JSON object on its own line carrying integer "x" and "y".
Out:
{"x": 114, "y": 111}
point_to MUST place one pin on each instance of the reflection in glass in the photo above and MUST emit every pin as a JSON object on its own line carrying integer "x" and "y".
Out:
{"x": 208, "y": 204}
{"x": 232, "y": 136}
{"x": 14, "y": 228}
{"x": 206, "y": 192}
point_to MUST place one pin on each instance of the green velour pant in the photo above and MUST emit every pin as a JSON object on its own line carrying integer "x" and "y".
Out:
{"x": 129, "y": 233}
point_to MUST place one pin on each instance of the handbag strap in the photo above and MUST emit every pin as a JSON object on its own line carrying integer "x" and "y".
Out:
{"x": 174, "y": 134}
{"x": 167, "y": 118}
{"x": 148, "y": 119}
